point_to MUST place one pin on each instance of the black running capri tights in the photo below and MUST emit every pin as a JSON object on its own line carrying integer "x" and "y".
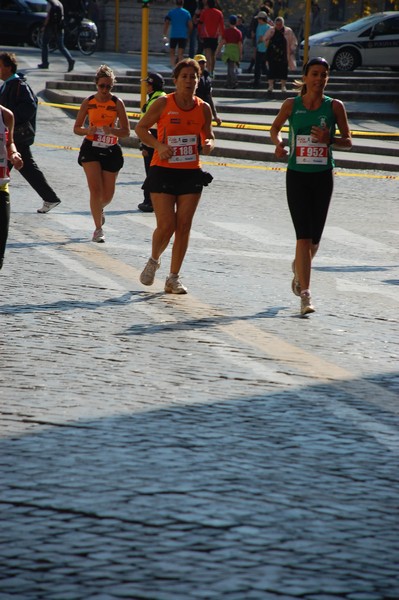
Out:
{"x": 309, "y": 196}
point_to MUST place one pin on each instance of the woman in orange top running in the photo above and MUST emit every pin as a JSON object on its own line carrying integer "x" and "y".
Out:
{"x": 175, "y": 179}
{"x": 100, "y": 154}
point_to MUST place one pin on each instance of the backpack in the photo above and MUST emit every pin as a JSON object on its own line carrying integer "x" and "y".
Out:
{"x": 24, "y": 133}
{"x": 56, "y": 15}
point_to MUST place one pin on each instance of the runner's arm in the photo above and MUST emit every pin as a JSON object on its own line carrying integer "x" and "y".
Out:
{"x": 275, "y": 130}
{"x": 12, "y": 153}
{"x": 123, "y": 130}
{"x": 207, "y": 135}
{"x": 344, "y": 142}
{"x": 79, "y": 127}
{"x": 147, "y": 121}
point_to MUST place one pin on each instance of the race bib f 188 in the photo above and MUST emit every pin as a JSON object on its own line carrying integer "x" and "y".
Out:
{"x": 184, "y": 148}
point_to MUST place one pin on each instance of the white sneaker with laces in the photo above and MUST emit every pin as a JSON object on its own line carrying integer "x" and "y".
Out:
{"x": 173, "y": 285}
{"x": 98, "y": 236}
{"x": 48, "y": 206}
{"x": 148, "y": 274}
{"x": 306, "y": 303}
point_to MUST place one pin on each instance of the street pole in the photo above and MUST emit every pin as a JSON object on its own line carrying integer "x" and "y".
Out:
{"x": 144, "y": 49}
{"x": 306, "y": 32}
{"x": 116, "y": 25}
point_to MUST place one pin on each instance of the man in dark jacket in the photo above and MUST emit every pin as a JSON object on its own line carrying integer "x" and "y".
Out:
{"x": 16, "y": 95}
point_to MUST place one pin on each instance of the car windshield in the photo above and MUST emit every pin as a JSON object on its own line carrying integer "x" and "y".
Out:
{"x": 357, "y": 25}
{"x": 35, "y": 5}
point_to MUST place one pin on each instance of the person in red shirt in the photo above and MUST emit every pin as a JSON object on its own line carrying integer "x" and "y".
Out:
{"x": 212, "y": 28}
{"x": 232, "y": 55}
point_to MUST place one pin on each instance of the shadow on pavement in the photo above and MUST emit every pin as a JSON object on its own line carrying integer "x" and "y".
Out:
{"x": 258, "y": 497}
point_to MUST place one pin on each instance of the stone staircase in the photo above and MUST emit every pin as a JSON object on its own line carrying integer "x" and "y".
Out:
{"x": 371, "y": 99}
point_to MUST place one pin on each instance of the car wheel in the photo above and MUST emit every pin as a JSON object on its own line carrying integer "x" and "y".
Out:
{"x": 35, "y": 36}
{"x": 346, "y": 60}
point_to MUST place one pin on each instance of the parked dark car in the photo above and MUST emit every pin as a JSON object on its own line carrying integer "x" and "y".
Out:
{"x": 21, "y": 21}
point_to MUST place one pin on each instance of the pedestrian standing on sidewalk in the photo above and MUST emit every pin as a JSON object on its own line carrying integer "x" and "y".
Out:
{"x": 17, "y": 96}
{"x": 281, "y": 45}
{"x": 155, "y": 83}
{"x": 8, "y": 153}
{"x": 175, "y": 178}
{"x": 260, "y": 55}
{"x": 312, "y": 118}
{"x": 192, "y": 7}
{"x": 102, "y": 119}
{"x": 232, "y": 53}
{"x": 54, "y": 28}
{"x": 211, "y": 22}
{"x": 204, "y": 88}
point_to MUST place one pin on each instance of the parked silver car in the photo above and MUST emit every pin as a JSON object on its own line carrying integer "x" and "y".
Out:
{"x": 367, "y": 42}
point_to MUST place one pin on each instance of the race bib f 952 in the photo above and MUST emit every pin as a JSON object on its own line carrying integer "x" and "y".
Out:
{"x": 309, "y": 152}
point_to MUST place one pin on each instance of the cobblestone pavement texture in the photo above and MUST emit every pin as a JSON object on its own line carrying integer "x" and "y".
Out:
{"x": 211, "y": 446}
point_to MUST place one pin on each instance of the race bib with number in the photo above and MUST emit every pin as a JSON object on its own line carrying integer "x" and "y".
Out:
{"x": 184, "y": 148}
{"x": 309, "y": 152}
{"x": 104, "y": 140}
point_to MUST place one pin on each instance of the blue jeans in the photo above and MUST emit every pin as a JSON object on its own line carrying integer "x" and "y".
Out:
{"x": 59, "y": 37}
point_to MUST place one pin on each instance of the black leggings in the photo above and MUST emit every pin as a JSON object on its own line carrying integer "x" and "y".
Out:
{"x": 4, "y": 222}
{"x": 309, "y": 196}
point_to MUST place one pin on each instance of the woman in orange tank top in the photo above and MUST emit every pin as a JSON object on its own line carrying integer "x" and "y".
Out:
{"x": 100, "y": 154}
{"x": 175, "y": 179}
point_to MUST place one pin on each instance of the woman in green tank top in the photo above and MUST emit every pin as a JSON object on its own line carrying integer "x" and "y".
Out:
{"x": 313, "y": 118}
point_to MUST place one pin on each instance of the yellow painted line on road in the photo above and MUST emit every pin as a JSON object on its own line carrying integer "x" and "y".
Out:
{"x": 293, "y": 359}
{"x": 235, "y": 166}
{"x": 234, "y": 125}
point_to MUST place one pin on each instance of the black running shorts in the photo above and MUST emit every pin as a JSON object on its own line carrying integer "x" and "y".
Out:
{"x": 175, "y": 182}
{"x": 110, "y": 159}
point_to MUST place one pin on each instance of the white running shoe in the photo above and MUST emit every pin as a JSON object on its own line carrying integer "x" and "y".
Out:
{"x": 306, "y": 304}
{"x": 48, "y": 206}
{"x": 295, "y": 285}
{"x": 148, "y": 274}
{"x": 173, "y": 285}
{"x": 98, "y": 236}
